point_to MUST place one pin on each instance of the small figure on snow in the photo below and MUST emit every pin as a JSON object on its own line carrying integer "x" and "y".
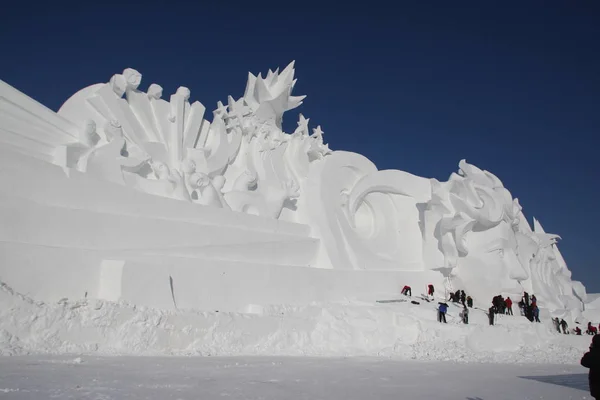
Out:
{"x": 536, "y": 314}
{"x": 406, "y": 291}
{"x": 470, "y": 301}
{"x": 508, "y": 303}
{"x": 591, "y": 329}
{"x": 491, "y": 315}
{"x": 556, "y": 323}
{"x": 564, "y": 326}
{"x": 577, "y": 331}
{"x": 465, "y": 315}
{"x": 430, "y": 290}
{"x": 442, "y": 309}
{"x": 526, "y": 299}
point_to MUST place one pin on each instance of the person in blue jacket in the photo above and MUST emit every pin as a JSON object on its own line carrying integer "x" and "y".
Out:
{"x": 442, "y": 308}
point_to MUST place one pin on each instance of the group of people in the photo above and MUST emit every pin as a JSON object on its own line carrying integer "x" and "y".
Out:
{"x": 591, "y": 329}
{"x": 561, "y": 323}
{"x": 529, "y": 308}
{"x": 460, "y": 297}
{"x": 500, "y": 305}
{"x": 407, "y": 290}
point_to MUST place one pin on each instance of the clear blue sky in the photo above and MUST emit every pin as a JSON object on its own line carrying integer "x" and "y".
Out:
{"x": 512, "y": 86}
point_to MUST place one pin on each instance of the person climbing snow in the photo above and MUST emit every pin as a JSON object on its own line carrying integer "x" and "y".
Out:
{"x": 491, "y": 315}
{"x": 564, "y": 326}
{"x": 465, "y": 315}
{"x": 526, "y": 299}
{"x": 591, "y": 360}
{"x": 430, "y": 290}
{"x": 470, "y": 301}
{"x": 536, "y": 314}
{"x": 406, "y": 291}
{"x": 591, "y": 329}
{"x": 577, "y": 331}
{"x": 442, "y": 309}
{"x": 556, "y": 323}
{"x": 508, "y": 303}
{"x": 463, "y": 297}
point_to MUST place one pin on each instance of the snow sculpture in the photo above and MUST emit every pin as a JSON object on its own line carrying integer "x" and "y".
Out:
{"x": 332, "y": 210}
{"x": 477, "y": 217}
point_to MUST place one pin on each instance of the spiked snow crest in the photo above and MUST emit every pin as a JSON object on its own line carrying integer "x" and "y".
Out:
{"x": 270, "y": 97}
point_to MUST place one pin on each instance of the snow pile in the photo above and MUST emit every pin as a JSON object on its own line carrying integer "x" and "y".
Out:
{"x": 400, "y": 330}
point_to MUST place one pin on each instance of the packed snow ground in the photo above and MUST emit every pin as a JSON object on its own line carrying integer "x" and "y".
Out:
{"x": 35, "y": 377}
{"x": 355, "y": 328}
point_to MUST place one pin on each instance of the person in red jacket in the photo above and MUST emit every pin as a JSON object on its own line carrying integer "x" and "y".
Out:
{"x": 406, "y": 291}
{"x": 508, "y": 303}
{"x": 430, "y": 290}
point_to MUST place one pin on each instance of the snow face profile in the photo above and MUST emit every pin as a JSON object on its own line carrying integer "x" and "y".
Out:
{"x": 184, "y": 195}
{"x": 477, "y": 232}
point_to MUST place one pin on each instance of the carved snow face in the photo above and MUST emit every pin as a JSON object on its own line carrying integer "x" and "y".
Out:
{"x": 155, "y": 91}
{"x": 161, "y": 170}
{"x": 491, "y": 266}
{"x": 199, "y": 181}
{"x": 183, "y": 91}
{"x": 133, "y": 78}
{"x": 118, "y": 84}
{"x": 188, "y": 166}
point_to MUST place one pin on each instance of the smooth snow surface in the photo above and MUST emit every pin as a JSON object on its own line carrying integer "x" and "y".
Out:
{"x": 355, "y": 328}
{"x": 282, "y": 378}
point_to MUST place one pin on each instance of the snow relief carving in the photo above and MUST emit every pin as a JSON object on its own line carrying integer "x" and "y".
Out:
{"x": 469, "y": 228}
{"x": 242, "y": 160}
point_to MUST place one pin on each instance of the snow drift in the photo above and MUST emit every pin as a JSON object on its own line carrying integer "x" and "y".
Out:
{"x": 357, "y": 328}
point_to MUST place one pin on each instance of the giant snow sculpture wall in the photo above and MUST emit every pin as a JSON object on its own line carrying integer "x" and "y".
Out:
{"x": 125, "y": 195}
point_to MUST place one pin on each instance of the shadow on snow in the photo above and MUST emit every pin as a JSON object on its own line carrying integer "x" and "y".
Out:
{"x": 574, "y": 381}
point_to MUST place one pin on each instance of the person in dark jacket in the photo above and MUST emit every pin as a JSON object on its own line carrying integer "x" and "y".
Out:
{"x": 465, "y": 315}
{"x": 591, "y": 360}
{"x": 536, "y": 314}
{"x": 469, "y": 301}
{"x": 564, "y": 326}
{"x": 491, "y": 315}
